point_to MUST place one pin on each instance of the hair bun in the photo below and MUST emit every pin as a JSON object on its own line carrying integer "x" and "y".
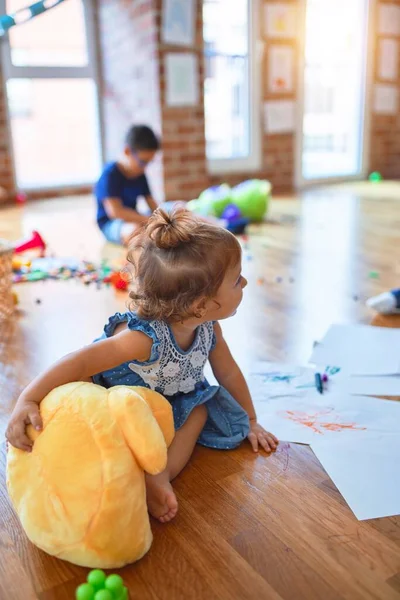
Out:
{"x": 168, "y": 230}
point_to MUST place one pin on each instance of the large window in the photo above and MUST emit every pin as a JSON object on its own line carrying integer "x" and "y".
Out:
{"x": 334, "y": 89}
{"x": 52, "y": 96}
{"x": 230, "y": 87}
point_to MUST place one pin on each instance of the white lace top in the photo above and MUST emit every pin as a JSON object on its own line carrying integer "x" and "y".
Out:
{"x": 172, "y": 370}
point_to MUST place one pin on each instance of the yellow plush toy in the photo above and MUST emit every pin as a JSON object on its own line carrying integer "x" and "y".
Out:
{"x": 80, "y": 494}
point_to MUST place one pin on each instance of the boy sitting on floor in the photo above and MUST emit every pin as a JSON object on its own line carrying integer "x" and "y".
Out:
{"x": 123, "y": 182}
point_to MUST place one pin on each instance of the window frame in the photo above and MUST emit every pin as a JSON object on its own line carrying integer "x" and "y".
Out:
{"x": 89, "y": 71}
{"x": 252, "y": 162}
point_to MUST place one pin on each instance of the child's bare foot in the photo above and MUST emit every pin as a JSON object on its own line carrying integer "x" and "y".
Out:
{"x": 161, "y": 499}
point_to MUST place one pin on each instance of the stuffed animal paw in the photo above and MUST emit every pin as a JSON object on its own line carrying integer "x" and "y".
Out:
{"x": 80, "y": 494}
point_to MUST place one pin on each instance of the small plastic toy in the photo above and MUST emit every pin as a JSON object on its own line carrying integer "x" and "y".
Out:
{"x": 66, "y": 268}
{"x": 101, "y": 587}
{"x": 19, "y": 263}
{"x": 375, "y": 177}
{"x": 20, "y": 198}
{"x": 35, "y": 242}
{"x": 387, "y": 303}
{"x": 231, "y": 213}
{"x": 373, "y": 275}
{"x": 251, "y": 197}
{"x": 118, "y": 282}
{"x": 233, "y": 219}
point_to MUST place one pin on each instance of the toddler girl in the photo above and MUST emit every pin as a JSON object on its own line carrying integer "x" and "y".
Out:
{"x": 187, "y": 276}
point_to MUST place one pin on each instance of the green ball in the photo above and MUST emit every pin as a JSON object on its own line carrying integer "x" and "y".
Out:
{"x": 373, "y": 275}
{"x": 85, "y": 592}
{"x": 114, "y": 583}
{"x": 103, "y": 595}
{"x": 375, "y": 177}
{"x": 97, "y": 579}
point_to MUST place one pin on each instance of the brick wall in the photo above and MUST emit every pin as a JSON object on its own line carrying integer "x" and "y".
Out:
{"x": 384, "y": 129}
{"x": 185, "y": 164}
{"x": 184, "y": 157}
{"x": 128, "y": 37}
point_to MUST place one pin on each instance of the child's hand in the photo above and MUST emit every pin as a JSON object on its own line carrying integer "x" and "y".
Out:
{"x": 259, "y": 436}
{"x": 26, "y": 413}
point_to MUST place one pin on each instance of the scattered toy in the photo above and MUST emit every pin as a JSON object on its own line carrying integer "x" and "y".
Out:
{"x": 67, "y": 268}
{"x": 387, "y": 303}
{"x": 101, "y": 587}
{"x": 34, "y": 242}
{"x": 375, "y": 177}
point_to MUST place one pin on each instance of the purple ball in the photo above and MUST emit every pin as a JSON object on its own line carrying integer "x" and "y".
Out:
{"x": 231, "y": 213}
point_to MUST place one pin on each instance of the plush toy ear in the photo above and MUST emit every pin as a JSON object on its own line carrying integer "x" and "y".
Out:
{"x": 140, "y": 429}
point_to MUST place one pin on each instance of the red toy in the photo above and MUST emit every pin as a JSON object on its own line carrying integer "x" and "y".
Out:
{"x": 35, "y": 242}
{"x": 118, "y": 282}
{"x": 21, "y": 198}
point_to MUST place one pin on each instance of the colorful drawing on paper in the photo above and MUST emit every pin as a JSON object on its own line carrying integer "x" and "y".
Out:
{"x": 276, "y": 377}
{"x": 280, "y": 68}
{"x": 271, "y": 380}
{"x": 318, "y": 422}
{"x": 280, "y": 20}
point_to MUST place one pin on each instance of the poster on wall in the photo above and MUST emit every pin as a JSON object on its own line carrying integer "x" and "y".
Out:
{"x": 181, "y": 73}
{"x": 280, "y": 20}
{"x": 280, "y": 69}
{"x": 279, "y": 116}
{"x": 385, "y": 99}
{"x": 179, "y": 22}
{"x": 388, "y": 59}
{"x": 389, "y": 19}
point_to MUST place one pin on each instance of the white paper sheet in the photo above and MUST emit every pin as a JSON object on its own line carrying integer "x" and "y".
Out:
{"x": 271, "y": 380}
{"x": 367, "y": 385}
{"x": 388, "y": 19}
{"x": 268, "y": 380}
{"x": 279, "y": 116}
{"x": 366, "y": 472}
{"x": 304, "y": 420}
{"x": 280, "y": 20}
{"x": 388, "y": 59}
{"x": 360, "y": 349}
{"x": 181, "y": 79}
{"x": 385, "y": 99}
{"x": 280, "y": 69}
{"x": 179, "y": 22}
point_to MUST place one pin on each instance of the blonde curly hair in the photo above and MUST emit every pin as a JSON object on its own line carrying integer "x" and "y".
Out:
{"x": 176, "y": 259}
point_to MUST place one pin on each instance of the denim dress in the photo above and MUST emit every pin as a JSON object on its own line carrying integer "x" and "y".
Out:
{"x": 179, "y": 376}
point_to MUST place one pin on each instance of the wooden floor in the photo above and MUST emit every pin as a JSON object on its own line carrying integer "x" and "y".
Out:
{"x": 249, "y": 527}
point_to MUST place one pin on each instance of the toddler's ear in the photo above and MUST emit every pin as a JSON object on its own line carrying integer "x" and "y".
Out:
{"x": 141, "y": 430}
{"x": 200, "y": 308}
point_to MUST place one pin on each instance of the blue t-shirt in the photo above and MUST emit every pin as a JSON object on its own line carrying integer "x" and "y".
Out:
{"x": 114, "y": 184}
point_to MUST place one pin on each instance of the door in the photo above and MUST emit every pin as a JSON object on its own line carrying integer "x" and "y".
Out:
{"x": 333, "y": 91}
